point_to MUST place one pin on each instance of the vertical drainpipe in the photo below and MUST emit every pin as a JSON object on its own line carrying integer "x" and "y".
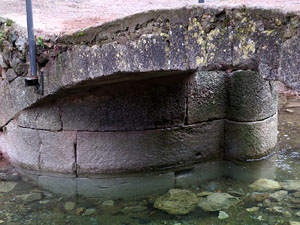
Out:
{"x": 33, "y": 79}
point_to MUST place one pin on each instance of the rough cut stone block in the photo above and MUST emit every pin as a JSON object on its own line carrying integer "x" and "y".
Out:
{"x": 57, "y": 151}
{"x": 250, "y": 97}
{"x": 135, "y": 105}
{"x": 113, "y": 152}
{"x": 59, "y": 185}
{"x": 21, "y": 145}
{"x": 250, "y": 140}
{"x": 207, "y": 98}
{"x": 125, "y": 187}
{"x": 44, "y": 117}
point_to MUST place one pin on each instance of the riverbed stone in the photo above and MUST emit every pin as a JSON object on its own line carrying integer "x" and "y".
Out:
{"x": 134, "y": 209}
{"x": 7, "y": 186}
{"x": 177, "y": 202}
{"x": 291, "y": 185}
{"x": 223, "y": 215}
{"x": 265, "y": 185}
{"x": 217, "y": 202}
{"x": 279, "y": 195}
{"x": 29, "y": 197}
{"x": 69, "y": 206}
{"x": 207, "y": 98}
{"x": 11, "y": 75}
{"x": 112, "y": 152}
{"x": 250, "y": 140}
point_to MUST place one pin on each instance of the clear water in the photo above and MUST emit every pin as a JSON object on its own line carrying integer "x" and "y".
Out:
{"x": 284, "y": 165}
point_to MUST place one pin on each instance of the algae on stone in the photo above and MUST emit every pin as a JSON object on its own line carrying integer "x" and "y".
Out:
{"x": 177, "y": 202}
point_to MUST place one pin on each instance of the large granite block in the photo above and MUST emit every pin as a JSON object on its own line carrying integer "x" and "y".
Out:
{"x": 21, "y": 145}
{"x": 57, "y": 151}
{"x": 250, "y": 97}
{"x": 207, "y": 98}
{"x": 250, "y": 140}
{"x": 115, "y": 152}
{"x": 43, "y": 117}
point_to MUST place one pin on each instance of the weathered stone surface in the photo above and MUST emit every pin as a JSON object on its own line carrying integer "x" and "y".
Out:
{"x": 57, "y": 151}
{"x": 251, "y": 140}
{"x": 113, "y": 152}
{"x": 291, "y": 185}
{"x": 207, "y": 99}
{"x": 11, "y": 75}
{"x": 29, "y": 197}
{"x": 289, "y": 63}
{"x": 279, "y": 195}
{"x": 44, "y": 118}
{"x": 138, "y": 105}
{"x": 217, "y": 201}
{"x": 14, "y": 98}
{"x": 177, "y": 202}
{"x": 265, "y": 185}
{"x": 21, "y": 145}
{"x": 60, "y": 185}
{"x": 7, "y": 186}
{"x": 126, "y": 187}
{"x": 250, "y": 97}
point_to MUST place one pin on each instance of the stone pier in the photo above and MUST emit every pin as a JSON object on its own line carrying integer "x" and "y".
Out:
{"x": 141, "y": 104}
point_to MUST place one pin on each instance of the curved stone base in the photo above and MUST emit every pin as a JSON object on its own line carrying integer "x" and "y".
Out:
{"x": 250, "y": 140}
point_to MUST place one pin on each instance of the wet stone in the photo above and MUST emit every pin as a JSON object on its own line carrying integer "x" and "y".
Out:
{"x": 278, "y": 195}
{"x": 108, "y": 203}
{"x": 223, "y": 215}
{"x": 217, "y": 201}
{"x": 69, "y": 206}
{"x": 89, "y": 212}
{"x": 259, "y": 197}
{"x": 265, "y": 185}
{"x": 7, "y": 186}
{"x": 29, "y": 197}
{"x": 177, "y": 202}
{"x": 291, "y": 185}
{"x": 253, "y": 209}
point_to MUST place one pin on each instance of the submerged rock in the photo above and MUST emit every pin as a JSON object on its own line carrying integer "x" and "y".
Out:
{"x": 108, "y": 203}
{"x": 291, "y": 185}
{"x": 278, "y": 195}
{"x": 29, "y": 197}
{"x": 265, "y": 185}
{"x": 223, "y": 215}
{"x": 253, "y": 209}
{"x": 89, "y": 212}
{"x": 218, "y": 201}
{"x": 177, "y": 202}
{"x": 134, "y": 209}
{"x": 294, "y": 223}
{"x": 69, "y": 206}
{"x": 7, "y": 186}
{"x": 280, "y": 211}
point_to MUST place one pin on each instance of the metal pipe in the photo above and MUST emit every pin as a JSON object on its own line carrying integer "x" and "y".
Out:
{"x": 31, "y": 39}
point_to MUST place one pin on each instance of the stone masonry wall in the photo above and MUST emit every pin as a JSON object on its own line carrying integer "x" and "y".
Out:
{"x": 154, "y": 93}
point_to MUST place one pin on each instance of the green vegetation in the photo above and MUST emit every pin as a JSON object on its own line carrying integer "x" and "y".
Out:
{"x": 9, "y": 22}
{"x": 40, "y": 41}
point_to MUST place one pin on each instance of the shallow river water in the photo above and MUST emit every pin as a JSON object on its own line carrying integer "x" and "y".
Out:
{"x": 26, "y": 204}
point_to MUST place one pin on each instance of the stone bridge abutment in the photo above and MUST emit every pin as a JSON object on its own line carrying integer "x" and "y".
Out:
{"x": 148, "y": 100}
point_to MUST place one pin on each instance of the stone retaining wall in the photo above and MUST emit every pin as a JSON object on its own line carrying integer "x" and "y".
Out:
{"x": 154, "y": 93}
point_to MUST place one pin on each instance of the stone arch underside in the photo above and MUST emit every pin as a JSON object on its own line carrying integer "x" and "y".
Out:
{"x": 157, "y": 91}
